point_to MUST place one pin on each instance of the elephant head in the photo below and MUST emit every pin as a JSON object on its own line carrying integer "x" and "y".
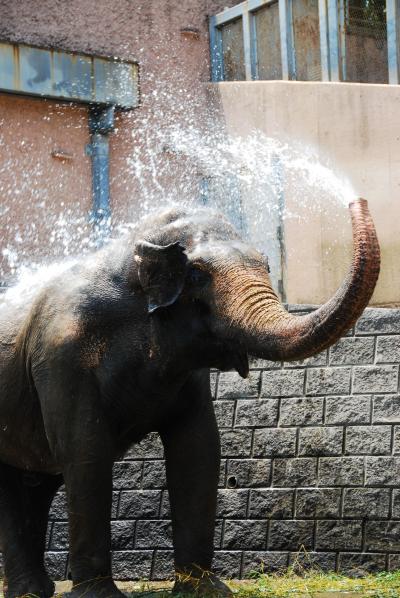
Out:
{"x": 199, "y": 261}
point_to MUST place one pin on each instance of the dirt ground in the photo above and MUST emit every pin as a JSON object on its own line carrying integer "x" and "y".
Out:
{"x": 151, "y": 589}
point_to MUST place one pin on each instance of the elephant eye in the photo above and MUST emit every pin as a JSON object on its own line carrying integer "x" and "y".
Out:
{"x": 197, "y": 277}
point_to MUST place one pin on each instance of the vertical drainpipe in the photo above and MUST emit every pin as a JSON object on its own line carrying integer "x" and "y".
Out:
{"x": 101, "y": 124}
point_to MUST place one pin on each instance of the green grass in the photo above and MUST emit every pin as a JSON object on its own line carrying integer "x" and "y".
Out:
{"x": 309, "y": 585}
{"x": 313, "y": 584}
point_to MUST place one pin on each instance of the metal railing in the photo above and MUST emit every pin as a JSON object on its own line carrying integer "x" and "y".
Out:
{"x": 326, "y": 40}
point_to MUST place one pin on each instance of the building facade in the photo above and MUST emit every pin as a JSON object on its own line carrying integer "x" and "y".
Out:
{"x": 46, "y": 168}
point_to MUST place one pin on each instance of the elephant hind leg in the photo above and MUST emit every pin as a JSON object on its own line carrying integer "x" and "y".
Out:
{"x": 25, "y": 501}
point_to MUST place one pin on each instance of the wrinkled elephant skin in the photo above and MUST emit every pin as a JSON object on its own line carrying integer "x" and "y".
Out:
{"x": 120, "y": 344}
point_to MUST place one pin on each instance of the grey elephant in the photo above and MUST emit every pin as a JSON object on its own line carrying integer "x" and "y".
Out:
{"x": 119, "y": 345}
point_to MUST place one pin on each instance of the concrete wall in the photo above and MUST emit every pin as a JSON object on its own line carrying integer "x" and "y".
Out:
{"x": 310, "y": 463}
{"x": 45, "y": 180}
{"x": 354, "y": 128}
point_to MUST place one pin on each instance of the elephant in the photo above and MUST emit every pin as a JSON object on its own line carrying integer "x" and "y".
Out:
{"x": 120, "y": 344}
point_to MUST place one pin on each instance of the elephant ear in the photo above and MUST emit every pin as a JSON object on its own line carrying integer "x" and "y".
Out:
{"x": 162, "y": 271}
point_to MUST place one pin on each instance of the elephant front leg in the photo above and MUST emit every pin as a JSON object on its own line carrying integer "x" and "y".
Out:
{"x": 89, "y": 495}
{"x": 81, "y": 443}
{"x": 192, "y": 452}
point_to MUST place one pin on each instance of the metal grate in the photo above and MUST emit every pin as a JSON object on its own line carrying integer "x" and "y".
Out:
{"x": 268, "y": 42}
{"x": 364, "y": 41}
{"x": 305, "y": 18}
{"x": 233, "y": 51}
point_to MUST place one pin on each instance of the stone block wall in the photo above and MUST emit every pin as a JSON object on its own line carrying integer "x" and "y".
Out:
{"x": 310, "y": 470}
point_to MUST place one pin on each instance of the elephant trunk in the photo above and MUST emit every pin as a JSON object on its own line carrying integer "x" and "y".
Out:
{"x": 268, "y": 331}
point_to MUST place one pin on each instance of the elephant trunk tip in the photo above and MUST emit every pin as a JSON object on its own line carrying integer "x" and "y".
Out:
{"x": 358, "y": 202}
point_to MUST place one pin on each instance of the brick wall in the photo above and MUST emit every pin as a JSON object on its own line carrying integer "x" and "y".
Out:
{"x": 311, "y": 462}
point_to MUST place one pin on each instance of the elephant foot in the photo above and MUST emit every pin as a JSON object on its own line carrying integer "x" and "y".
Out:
{"x": 38, "y": 585}
{"x": 95, "y": 588}
{"x": 206, "y": 584}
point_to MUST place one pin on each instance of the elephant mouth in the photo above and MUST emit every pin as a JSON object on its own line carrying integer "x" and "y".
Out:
{"x": 235, "y": 360}
{"x": 241, "y": 364}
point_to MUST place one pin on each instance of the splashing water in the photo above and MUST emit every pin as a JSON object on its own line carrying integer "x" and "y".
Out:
{"x": 256, "y": 180}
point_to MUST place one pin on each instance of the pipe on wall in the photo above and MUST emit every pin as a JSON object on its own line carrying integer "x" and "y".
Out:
{"x": 101, "y": 124}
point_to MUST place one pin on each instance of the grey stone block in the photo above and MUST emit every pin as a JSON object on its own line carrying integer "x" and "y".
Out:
{"x": 318, "y": 503}
{"x": 236, "y": 443}
{"x": 275, "y": 442}
{"x": 163, "y": 567}
{"x": 271, "y": 503}
{"x": 396, "y": 504}
{"x": 375, "y": 379}
{"x": 283, "y": 383}
{"x": 291, "y": 535}
{"x": 218, "y": 534}
{"x": 382, "y": 471}
{"x": 368, "y": 440}
{"x": 232, "y": 504}
{"x": 321, "y": 441}
{"x": 348, "y": 410}
{"x": 248, "y": 473}
{"x": 48, "y": 535}
{"x": 149, "y": 448}
{"x": 256, "y": 413}
{"x": 122, "y": 535}
{"x": 341, "y": 471}
{"x": 292, "y": 473}
{"x": 131, "y": 564}
{"x": 224, "y": 411}
{"x": 58, "y": 508}
{"x": 307, "y": 560}
{"x": 333, "y": 381}
{"x": 366, "y": 503}
{"x": 251, "y": 534}
{"x": 358, "y": 565}
{"x": 154, "y": 475}
{"x": 338, "y": 535}
{"x": 232, "y": 386}
{"x": 379, "y": 321}
{"x": 382, "y": 536}
{"x": 165, "y": 510}
{"x": 59, "y": 539}
{"x": 352, "y": 351}
{"x": 264, "y": 562}
{"x": 394, "y": 562}
{"x": 301, "y": 411}
{"x": 139, "y": 504}
{"x": 263, "y": 364}
{"x": 396, "y": 440}
{"x": 56, "y": 565}
{"x": 318, "y": 359}
{"x": 114, "y": 505}
{"x": 127, "y": 474}
{"x": 222, "y": 473}
{"x": 386, "y": 409}
{"x": 153, "y": 534}
{"x": 388, "y": 349}
{"x": 227, "y": 564}
{"x": 213, "y": 384}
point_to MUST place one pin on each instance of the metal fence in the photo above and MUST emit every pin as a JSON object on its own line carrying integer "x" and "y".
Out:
{"x": 364, "y": 41}
{"x": 307, "y": 40}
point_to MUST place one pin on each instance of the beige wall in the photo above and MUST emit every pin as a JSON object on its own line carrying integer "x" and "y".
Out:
{"x": 354, "y": 127}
